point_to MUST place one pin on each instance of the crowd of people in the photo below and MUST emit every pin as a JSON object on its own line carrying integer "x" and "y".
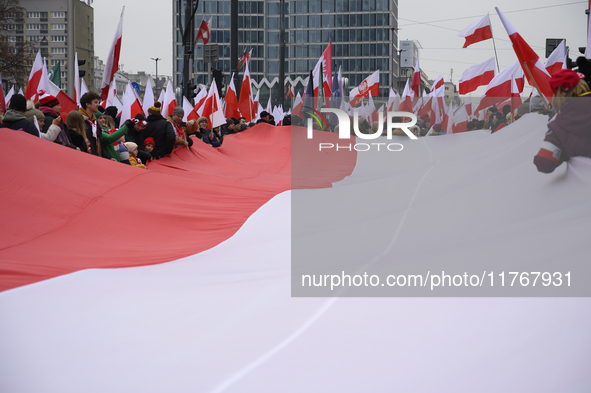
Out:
{"x": 95, "y": 130}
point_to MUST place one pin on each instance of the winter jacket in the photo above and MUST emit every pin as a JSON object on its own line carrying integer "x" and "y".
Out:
{"x": 77, "y": 140}
{"x": 568, "y": 135}
{"x": 133, "y": 162}
{"x": 63, "y": 136}
{"x": 163, "y": 134}
{"x": 93, "y": 135}
{"x": 137, "y": 137}
{"x": 109, "y": 139}
{"x": 17, "y": 121}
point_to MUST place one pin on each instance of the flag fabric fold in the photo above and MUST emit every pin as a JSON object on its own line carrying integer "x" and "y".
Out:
{"x": 361, "y": 92}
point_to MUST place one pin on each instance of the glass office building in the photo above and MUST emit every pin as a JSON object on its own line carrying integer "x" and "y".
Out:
{"x": 363, "y": 34}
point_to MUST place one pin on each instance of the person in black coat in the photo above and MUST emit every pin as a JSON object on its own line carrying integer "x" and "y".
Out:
{"x": 161, "y": 130}
{"x": 15, "y": 116}
{"x": 135, "y": 134}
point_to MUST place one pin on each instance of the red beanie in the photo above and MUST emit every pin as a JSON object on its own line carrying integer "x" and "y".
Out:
{"x": 48, "y": 100}
{"x": 565, "y": 78}
{"x": 149, "y": 141}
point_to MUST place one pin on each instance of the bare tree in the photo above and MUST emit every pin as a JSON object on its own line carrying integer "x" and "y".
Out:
{"x": 16, "y": 53}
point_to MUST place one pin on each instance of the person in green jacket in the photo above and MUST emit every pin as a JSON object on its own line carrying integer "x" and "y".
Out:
{"x": 108, "y": 139}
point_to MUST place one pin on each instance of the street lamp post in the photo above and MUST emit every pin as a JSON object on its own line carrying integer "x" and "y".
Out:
{"x": 156, "y": 60}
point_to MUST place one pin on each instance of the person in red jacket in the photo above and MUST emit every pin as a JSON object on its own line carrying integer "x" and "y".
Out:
{"x": 569, "y": 134}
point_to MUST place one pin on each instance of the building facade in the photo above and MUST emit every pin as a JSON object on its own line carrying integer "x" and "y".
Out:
{"x": 62, "y": 28}
{"x": 363, "y": 35}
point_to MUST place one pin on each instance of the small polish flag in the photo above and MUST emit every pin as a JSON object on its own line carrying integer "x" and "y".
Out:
{"x": 478, "y": 75}
{"x": 477, "y": 31}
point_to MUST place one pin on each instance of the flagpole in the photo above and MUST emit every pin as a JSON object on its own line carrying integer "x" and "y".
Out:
{"x": 496, "y": 56}
{"x": 536, "y": 85}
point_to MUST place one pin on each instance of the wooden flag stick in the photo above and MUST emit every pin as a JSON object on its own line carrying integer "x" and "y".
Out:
{"x": 546, "y": 103}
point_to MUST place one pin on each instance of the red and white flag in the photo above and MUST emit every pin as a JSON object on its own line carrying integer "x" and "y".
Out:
{"x": 406, "y": 99}
{"x": 112, "y": 99}
{"x": 499, "y": 89}
{"x": 327, "y": 74}
{"x": 416, "y": 79}
{"x": 200, "y": 100}
{"x": 468, "y": 103}
{"x": 8, "y": 97}
{"x": 298, "y": 105}
{"x": 256, "y": 101}
{"x": 477, "y": 31}
{"x": 31, "y": 93}
{"x": 112, "y": 63}
{"x": 447, "y": 122}
{"x": 289, "y": 92}
{"x": 371, "y": 84}
{"x": 515, "y": 95}
{"x": 67, "y": 104}
{"x": 461, "y": 118}
{"x": 535, "y": 72}
{"x": 557, "y": 59}
{"x": 232, "y": 101}
{"x": 316, "y": 81}
{"x": 83, "y": 89}
{"x": 244, "y": 59}
{"x": 478, "y": 75}
{"x": 245, "y": 102}
{"x": 212, "y": 104}
{"x": 438, "y": 103}
{"x": 203, "y": 32}
{"x": 393, "y": 101}
{"x": 131, "y": 104}
{"x": 189, "y": 109}
{"x": 148, "y": 96}
{"x": 169, "y": 101}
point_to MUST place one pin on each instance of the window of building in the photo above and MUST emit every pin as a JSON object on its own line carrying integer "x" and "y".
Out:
{"x": 33, "y": 26}
{"x": 58, "y": 51}
{"x": 58, "y": 26}
{"x": 273, "y": 8}
{"x": 34, "y": 38}
{"x": 33, "y": 15}
{"x": 57, "y": 14}
{"x": 58, "y": 38}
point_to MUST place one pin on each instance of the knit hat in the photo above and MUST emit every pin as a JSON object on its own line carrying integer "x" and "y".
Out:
{"x": 131, "y": 145}
{"x": 202, "y": 118}
{"x": 98, "y": 114}
{"x": 178, "y": 111}
{"x": 149, "y": 141}
{"x": 112, "y": 111}
{"x": 140, "y": 117}
{"x": 565, "y": 78}
{"x": 156, "y": 107}
{"x": 48, "y": 100}
{"x": 18, "y": 102}
{"x": 31, "y": 113}
{"x": 492, "y": 109}
{"x": 264, "y": 114}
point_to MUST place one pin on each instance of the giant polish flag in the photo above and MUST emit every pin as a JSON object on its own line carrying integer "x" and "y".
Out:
{"x": 557, "y": 59}
{"x": 199, "y": 297}
{"x": 32, "y": 90}
{"x": 477, "y": 31}
{"x": 478, "y": 75}
{"x": 534, "y": 71}
{"x": 371, "y": 84}
{"x": 499, "y": 89}
{"x": 112, "y": 63}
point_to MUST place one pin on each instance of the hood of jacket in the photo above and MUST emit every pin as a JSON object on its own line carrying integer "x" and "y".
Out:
{"x": 13, "y": 115}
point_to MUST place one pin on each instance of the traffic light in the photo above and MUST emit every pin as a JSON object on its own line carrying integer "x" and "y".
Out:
{"x": 218, "y": 76}
{"x": 191, "y": 91}
{"x": 81, "y": 62}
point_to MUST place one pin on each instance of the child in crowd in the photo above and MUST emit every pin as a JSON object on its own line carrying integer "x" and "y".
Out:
{"x": 149, "y": 144}
{"x": 133, "y": 158}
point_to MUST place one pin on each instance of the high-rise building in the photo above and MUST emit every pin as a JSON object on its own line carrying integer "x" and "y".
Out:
{"x": 363, "y": 34}
{"x": 62, "y": 28}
